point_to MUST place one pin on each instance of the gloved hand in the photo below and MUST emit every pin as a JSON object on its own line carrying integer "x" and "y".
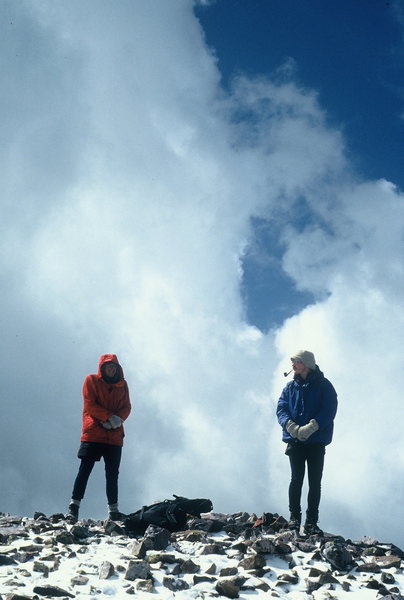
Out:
{"x": 106, "y": 425}
{"x": 115, "y": 421}
{"x": 292, "y": 428}
{"x": 307, "y": 430}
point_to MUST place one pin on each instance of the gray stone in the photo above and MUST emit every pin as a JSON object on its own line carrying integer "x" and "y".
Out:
{"x": 32, "y": 548}
{"x": 57, "y": 518}
{"x": 369, "y": 541}
{"x": 39, "y": 567}
{"x": 157, "y": 538}
{"x": 254, "y": 584}
{"x": 213, "y": 549}
{"x": 80, "y": 532}
{"x": 207, "y": 525}
{"x": 175, "y": 585}
{"x": 368, "y": 568}
{"x": 13, "y": 532}
{"x": 203, "y": 579}
{"x": 9, "y": 520}
{"x": 228, "y": 571}
{"x": 188, "y": 566}
{"x": 79, "y": 580}
{"x": 39, "y": 516}
{"x": 327, "y": 577}
{"x": 255, "y": 561}
{"x": 373, "y": 551}
{"x": 164, "y": 558}
{"x": 24, "y": 573}
{"x": 65, "y": 538}
{"x": 211, "y": 570}
{"x": 292, "y": 578}
{"x": 386, "y": 562}
{"x": 312, "y": 586}
{"x": 264, "y": 546}
{"x": 373, "y": 584}
{"x": 263, "y": 586}
{"x": 336, "y": 553}
{"x": 176, "y": 570}
{"x": 113, "y": 529}
{"x": 194, "y": 535}
{"x": 106, "y": 570}
{"x": 242, "y": 547}
{"x": 138, "y": 549}
{"x": 227, "y": 588}
{"x": 306, "y": 546}
{"x": 52, "y": 591}
{"x": 144, "y": 585}
{"x": 137, "y": 569}
{"x": 6, "y": 560}
{"x": 387, "y": 578}
{"x": 282, "y": 548}
{"x": 315, "y": 572}
{"x": 278, "y": 523}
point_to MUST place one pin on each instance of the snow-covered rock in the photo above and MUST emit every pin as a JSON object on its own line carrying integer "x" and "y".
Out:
{"x": 218, "y": 555}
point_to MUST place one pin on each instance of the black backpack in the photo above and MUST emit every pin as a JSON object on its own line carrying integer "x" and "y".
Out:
{"x": 170, "y": 514}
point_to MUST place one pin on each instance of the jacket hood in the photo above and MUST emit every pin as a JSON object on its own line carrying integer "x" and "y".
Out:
{"x": 106, "y": 358}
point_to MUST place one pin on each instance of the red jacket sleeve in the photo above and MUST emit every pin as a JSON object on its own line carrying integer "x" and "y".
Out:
{"x": 91, "y": 406}
{"x": 125, "y": 409}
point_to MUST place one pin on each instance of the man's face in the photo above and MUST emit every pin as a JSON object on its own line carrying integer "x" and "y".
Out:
{"x": 299, "y": 368}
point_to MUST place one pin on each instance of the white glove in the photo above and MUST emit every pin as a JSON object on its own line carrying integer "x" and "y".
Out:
{"x": 292, "y": 428}
{"x": 307, "y": 430}
{"x": 106, "y": 425}
{"x": 115, "y": 421}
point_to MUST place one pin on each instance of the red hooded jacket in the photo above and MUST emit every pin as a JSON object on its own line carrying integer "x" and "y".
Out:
{"x": 101, "y": 401}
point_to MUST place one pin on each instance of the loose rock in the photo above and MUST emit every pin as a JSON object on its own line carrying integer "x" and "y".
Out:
{"x": 137, "y": 569}
{"x": 106, "y": 570}
{"x": 50, "y": 591}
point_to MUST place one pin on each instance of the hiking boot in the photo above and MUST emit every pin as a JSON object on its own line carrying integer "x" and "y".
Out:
{"x": 294, "y": 523}
{"x": 311, "y": 528}
{"x": 72, "y": 515}
{"x": 115, "y": 515}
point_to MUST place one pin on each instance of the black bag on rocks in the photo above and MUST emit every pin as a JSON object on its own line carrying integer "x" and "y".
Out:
{"x": 170, "y": 514}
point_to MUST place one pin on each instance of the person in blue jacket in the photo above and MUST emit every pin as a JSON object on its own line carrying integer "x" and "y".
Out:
{"x": 306, "y": 412}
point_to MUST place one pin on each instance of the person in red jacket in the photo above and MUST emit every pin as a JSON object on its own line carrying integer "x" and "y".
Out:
{"x": 106, "y": 407}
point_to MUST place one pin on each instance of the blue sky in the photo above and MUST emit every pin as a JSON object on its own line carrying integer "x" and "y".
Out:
{"x": 202, "y": 191}
{"x": 351, "y": 53}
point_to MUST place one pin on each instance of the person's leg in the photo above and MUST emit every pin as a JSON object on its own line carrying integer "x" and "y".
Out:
{"x": 80, "y": 484}
{"x": 315, "y": 464}
{"x": 112, "y": 459}
{"x": 297, "y": 466}
{"x": 79, "y": 488}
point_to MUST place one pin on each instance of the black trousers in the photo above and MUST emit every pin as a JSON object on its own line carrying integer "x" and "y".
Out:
{"x": 299, "y": 455}
{"x": 90, "y": 453}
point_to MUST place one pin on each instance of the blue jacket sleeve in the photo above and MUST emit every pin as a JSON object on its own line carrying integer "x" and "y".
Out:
{"x": 325, "y": 416}
{"x": 283, "y": 410}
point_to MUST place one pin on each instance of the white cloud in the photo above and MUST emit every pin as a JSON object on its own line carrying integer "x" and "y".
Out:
{"x": 126, "y": 234}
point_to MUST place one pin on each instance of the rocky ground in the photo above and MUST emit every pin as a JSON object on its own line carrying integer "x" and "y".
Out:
{"x": 216, "y": 556}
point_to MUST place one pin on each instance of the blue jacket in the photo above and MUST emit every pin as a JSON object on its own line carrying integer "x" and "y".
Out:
{"x": 305, "y": 399}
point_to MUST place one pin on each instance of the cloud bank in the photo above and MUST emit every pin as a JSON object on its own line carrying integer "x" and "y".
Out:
{"x": 129, "y": 183}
